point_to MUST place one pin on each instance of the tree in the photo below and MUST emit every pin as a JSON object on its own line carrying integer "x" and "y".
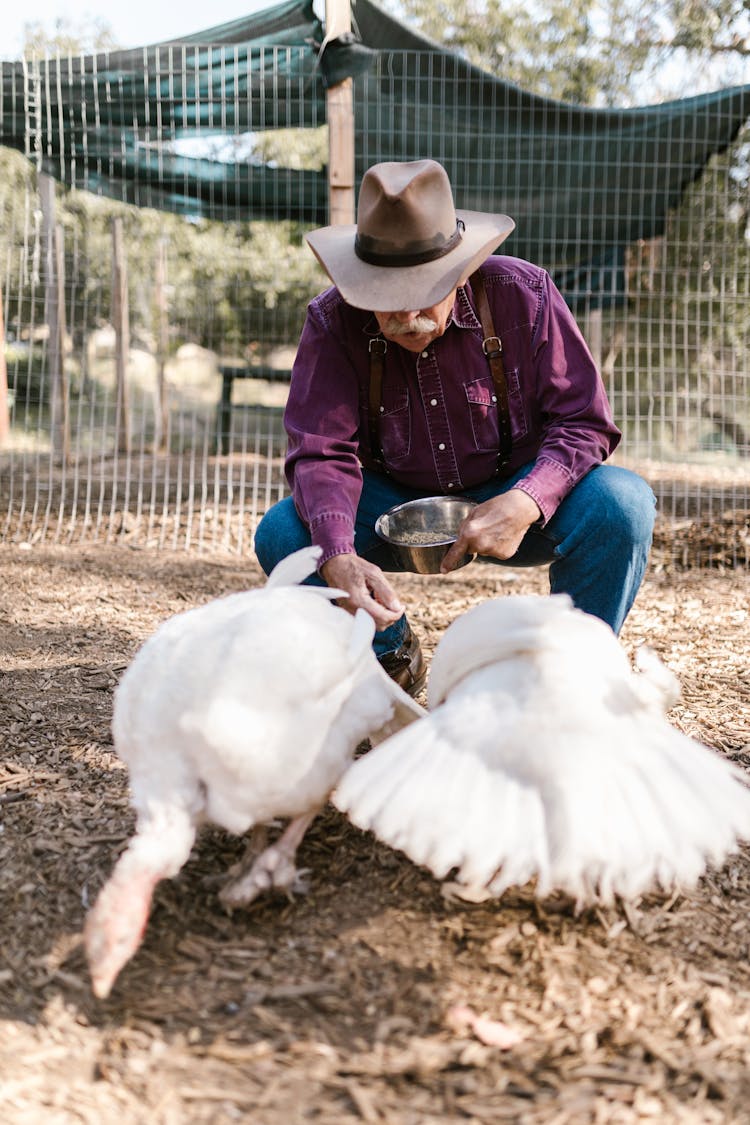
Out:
{"x": 594, "y": 52}
{"x": 68, "y": 37}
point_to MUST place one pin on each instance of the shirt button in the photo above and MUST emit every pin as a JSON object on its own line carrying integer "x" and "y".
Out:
{"x": 494, "y": 398}
{"x": 442, "y": 445}
{"x": 424, "y": 355}
{"x": 433, "y": 402}
{"x": 382, "y": 410}
{"x": 450, "y": 485}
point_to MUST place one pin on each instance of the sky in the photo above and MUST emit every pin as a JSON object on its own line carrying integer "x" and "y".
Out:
{"x": 133, "y": 22}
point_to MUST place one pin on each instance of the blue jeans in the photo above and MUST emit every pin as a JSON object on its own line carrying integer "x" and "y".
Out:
{"x": 596, "y": 543}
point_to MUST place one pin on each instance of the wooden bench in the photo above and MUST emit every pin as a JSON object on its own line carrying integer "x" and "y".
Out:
{"x": 229, "y": 372}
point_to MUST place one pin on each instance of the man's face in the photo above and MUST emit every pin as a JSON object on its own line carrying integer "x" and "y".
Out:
{"x": 416, "y": 329}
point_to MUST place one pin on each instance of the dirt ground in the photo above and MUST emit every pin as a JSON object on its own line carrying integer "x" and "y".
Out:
{"x": 339, "y": 1008}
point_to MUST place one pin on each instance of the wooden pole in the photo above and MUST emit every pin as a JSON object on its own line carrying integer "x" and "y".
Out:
{"x": 121, "y": 322}
{"x": 60, "y": 397}
{"x": 162, "y": 342}
{"x": 54, "y": 310}
{"x": 340, "y": 113}
{"x": 593, "y": 333}
{"x": 4, "y": 402}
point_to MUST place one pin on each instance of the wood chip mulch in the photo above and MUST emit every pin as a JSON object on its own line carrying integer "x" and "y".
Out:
{"x": 348, "y": 1005}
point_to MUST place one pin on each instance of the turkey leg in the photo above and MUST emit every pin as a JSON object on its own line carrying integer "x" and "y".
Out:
{"x": 273, "y": 868}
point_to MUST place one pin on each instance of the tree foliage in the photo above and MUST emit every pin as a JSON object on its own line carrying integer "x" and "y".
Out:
{"x": 594, "y": 52}
{"x": 68, "y": 37}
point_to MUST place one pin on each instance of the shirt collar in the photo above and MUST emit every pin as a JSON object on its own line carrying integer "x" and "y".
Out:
{"x": 462, "y": 314}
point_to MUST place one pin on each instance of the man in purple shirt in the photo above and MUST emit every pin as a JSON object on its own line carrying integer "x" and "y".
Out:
{"x": 395, "y": 394}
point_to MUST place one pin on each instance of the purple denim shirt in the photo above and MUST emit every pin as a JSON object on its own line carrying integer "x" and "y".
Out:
{"x": 438, "y": 423}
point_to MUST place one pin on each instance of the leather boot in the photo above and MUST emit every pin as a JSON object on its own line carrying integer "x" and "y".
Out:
{"x": 405, "y": 664}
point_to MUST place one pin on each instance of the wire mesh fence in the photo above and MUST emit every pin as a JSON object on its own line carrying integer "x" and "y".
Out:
{"x": 148, "y": 350}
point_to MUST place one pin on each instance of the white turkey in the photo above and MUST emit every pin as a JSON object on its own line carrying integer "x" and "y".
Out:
{"x": 243, "y": 710}
{"x": 545, "y": 757}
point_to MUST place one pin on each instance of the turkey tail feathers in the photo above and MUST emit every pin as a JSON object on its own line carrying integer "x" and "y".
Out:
{"x": 444, "y": 810}
{"x": 657, "y": 810}
{"x": 651, "y": 819}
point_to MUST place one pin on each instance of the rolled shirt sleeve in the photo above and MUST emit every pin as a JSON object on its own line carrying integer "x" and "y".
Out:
{"x": 322, "y": 425}
{"x": 577, "y": 428}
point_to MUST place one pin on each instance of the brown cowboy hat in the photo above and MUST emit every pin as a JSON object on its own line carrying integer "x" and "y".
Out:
{"x": 410, "y": 246}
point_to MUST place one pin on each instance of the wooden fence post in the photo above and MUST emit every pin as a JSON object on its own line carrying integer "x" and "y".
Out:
{"x": 121, "y": 323}
{"x": 4, "y": 404}
{"x": 60, "y": 392}
{"x": 593, "y": 333}
{"x": 161, "y": 437}
{"x": 54, "y": 315}
{"x": 340, "y": 114}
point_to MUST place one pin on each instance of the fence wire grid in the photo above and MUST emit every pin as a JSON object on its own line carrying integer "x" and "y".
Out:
{"x": 148, "y": 353}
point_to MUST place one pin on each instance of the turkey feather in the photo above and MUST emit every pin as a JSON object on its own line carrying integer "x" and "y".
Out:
{"x": 238, "y": 712}
{"x": 545, "y": 756}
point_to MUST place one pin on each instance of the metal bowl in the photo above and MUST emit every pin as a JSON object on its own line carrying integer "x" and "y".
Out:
{"x": 420, "y": 532}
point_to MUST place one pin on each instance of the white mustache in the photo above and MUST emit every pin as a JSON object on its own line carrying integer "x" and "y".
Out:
{"x": 395, "y": 327}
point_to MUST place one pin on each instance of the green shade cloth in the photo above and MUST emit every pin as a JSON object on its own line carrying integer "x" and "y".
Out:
{"x": 581, "y": 183}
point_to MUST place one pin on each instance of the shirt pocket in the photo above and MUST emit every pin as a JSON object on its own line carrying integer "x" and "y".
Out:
{"x": 482, "y": 404}
{"x": 394, "y": 424}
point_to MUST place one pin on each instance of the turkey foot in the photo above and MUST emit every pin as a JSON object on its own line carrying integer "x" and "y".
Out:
{"x": 274, "y": 868}
{"x": 256, "y": 844}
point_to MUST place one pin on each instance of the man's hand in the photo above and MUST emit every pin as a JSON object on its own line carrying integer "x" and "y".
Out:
{"x": 366, "y": 586}
{"x": 494, "y": 529}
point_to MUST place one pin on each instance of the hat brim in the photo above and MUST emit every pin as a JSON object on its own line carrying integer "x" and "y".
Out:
{"x": 406, "y": 288}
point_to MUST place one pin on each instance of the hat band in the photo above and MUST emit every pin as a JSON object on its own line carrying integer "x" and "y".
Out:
{"x": 374, "y": 258}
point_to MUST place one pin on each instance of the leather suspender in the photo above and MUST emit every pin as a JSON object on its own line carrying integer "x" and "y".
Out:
{"x": 493, "y": 349}
{"x": 492, "y": 346}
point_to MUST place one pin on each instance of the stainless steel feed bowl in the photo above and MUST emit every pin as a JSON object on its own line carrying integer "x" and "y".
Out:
{"x": 420, "y": 532}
